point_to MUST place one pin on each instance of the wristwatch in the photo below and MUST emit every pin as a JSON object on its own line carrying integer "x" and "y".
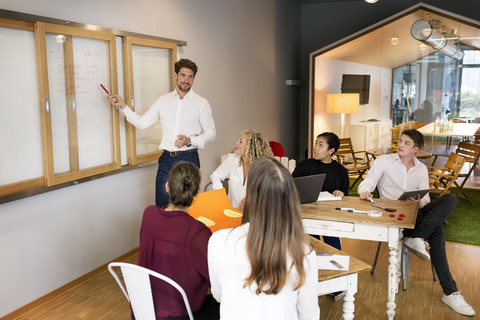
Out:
{"x": 189, "y": 144}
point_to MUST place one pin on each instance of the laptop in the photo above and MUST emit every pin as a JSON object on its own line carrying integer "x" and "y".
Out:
{"x": 309, "y": 187}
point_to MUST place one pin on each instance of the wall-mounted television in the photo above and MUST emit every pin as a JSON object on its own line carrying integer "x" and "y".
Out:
{"x": 357, "y": 83}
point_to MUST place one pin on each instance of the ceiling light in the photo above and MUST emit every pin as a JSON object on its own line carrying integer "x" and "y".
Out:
{"x": 394, "y": 41}
{"x": 371, "y": 1}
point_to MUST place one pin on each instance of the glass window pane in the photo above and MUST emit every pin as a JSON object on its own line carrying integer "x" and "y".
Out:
{"x": 20, "y": 130}
{"x": 75, "y": 72}
{"x": 151, "y": 79}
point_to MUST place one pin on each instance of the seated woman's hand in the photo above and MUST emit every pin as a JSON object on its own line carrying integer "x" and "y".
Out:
{"x": 338, "y": 193}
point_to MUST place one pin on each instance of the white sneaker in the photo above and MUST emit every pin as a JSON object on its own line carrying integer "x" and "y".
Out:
{"x": 417, "y": 247}
{"x": 458, "y": 304}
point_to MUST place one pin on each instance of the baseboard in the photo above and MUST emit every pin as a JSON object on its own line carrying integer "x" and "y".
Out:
{"x": 47, "y": 297}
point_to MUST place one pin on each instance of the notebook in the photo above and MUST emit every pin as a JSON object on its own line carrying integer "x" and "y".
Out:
{"x": 309, "y": 187}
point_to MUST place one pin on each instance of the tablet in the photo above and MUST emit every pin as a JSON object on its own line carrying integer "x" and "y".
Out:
{"x": 413, "y": 194}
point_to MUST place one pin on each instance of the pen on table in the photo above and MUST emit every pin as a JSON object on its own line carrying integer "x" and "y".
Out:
{"x": 101, "y": 85}
{"x": 351, "y": 210}
{"x": 371, "y": 200}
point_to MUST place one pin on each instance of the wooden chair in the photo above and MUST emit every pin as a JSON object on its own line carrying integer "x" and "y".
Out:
{"x": 347, "y": 157}
{"x": 442, "y": 179}
{"x": 471, "y": 153}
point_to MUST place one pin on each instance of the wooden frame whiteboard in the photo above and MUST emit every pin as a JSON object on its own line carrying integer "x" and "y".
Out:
{"x": 21, "y": 166}
{"x": 72, "y": 91}
{"x": 144, "y": 94}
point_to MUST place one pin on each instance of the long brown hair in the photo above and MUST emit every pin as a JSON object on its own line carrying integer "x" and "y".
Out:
{"x": 276, "y": 230}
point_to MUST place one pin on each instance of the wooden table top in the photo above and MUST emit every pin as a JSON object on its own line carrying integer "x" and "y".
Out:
{"x": 325, "y": 210}
{"x": 458, "y": 130}
{"x": 354, "y": 267}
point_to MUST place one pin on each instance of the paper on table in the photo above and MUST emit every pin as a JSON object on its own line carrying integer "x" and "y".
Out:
{"x": 333, "y": 262}
{"x": 327, "y": 196}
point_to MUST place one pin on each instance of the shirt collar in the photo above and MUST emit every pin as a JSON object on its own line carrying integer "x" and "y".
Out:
{"x": 189, "y": 94}
{"x": 415, "y": 160}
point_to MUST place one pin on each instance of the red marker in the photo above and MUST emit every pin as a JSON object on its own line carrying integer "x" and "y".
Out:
{"x": 101, "y": 85}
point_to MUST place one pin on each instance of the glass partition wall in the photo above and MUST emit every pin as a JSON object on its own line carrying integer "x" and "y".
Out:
{"x": 436, "y": 78}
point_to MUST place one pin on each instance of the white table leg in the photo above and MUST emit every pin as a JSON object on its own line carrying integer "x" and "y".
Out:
{"x": 348, "y": 305}
{"x": 393, "y": 271}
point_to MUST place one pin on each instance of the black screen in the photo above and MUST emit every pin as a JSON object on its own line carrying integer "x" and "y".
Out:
{"x": 357, "y": 83}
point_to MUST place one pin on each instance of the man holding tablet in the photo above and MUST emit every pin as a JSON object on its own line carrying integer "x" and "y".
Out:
{"x": 396, "y": 173}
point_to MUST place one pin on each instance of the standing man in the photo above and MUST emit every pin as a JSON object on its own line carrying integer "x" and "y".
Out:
{"x": 398, "y": 172}
{"x": 186, "y": 120}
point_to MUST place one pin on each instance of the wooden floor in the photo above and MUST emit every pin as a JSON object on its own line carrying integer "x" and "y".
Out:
{"x": 101, "y": 298}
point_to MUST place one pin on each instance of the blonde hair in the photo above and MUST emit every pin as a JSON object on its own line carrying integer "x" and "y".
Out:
{"x": 256, "y": 146}
{"x": 276, "y": 230}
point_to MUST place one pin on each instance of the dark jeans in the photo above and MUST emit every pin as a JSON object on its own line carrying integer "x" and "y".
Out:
{"x": 428, "y": 227}
{"x": 210, "y": 310}
{"x": 165, "y": 164}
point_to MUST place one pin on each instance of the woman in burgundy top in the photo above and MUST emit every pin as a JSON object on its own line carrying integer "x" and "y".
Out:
{"x": 173, "y": 243}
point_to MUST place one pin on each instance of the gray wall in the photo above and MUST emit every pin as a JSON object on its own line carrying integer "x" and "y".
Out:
{"x": 245, "y": 51}
{"x": 326, "y": 23}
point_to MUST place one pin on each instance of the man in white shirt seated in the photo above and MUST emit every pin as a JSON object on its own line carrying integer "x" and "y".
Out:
{"x": 395, "y": 173}
{"x": 186, "y": 120}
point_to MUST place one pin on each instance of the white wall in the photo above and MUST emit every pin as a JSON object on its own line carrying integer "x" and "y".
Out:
{"x": 328, "y": 79}
{"x": 50, "y": 239}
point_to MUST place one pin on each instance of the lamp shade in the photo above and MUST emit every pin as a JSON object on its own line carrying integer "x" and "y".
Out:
{"x": 343, "y": 102}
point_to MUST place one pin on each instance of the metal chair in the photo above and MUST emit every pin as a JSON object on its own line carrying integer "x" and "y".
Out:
{"x": 471, "y": 153}
{"x": 139, "y": 291}
{"x": 405, "y": 265}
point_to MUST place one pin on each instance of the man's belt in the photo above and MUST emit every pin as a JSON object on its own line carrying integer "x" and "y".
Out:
{"x": 178, "y": 153}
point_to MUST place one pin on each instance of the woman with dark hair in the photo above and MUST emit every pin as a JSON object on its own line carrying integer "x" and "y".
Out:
{"x": 265, "y": 268}
{"x": 174, "y": 244}
{"x": 336, "y": 181}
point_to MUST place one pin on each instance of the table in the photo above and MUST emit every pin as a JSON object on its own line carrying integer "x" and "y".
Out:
{"x": 323, "y": 219}
{"x": 458, "y": 130}
{"x": 330, "y": 281}
{"x": 421, "y": 154}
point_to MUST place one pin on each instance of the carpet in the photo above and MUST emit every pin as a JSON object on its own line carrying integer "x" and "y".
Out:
{"x": 464, "y": 222}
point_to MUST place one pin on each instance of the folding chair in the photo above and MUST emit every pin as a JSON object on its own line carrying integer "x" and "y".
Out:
{"x": 346, "y": 156}
{"x": 442, "y": 179}
{"x": 471, "y": 153}
{"x": 139, "y": 291}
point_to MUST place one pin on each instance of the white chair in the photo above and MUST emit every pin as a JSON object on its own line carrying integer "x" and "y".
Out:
{"x": 289, "y": 164}
{"x": 139, "y": 292}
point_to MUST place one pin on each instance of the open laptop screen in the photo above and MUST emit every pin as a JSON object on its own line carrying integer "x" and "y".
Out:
{"x": 309, "y": 187}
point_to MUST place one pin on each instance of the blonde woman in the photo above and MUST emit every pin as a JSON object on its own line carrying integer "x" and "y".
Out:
{"x": 250, "y": 147}
{"x": 265, "y": 268}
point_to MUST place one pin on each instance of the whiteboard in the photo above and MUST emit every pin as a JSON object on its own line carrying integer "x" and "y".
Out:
{"x": 94, "y": 122}
{"x": 20, "y": 125}
{"x": 151, "y": 79}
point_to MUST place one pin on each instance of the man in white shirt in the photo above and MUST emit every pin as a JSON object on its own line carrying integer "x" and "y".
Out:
{"x": 395, "y": 173}
{"x": 186, "y": 120}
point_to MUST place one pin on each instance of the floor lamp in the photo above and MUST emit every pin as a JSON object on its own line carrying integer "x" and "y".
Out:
{"x": 345, "y": 104}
